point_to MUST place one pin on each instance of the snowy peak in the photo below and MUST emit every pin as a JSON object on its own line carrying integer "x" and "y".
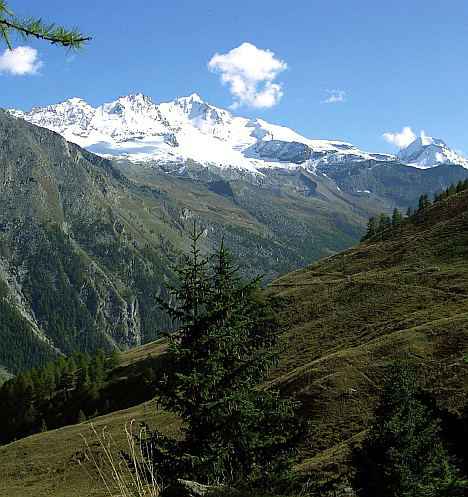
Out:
{"x": 191, "y": 99}
{"x": 195, "y": 109}
{"x": 73, "y": 115}
{"x": 137, "y": 103}
{"x": 426, "y": 151}
{"x": 136, "y": 128}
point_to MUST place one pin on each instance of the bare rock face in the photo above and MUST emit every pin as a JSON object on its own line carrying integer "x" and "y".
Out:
{"x": 75, "y": 264}
{"x": 280, "y": 151}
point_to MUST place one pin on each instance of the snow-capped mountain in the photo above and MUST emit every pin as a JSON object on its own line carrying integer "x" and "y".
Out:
{"x": 425, "y": 152}
{"x": 136, "y": 128}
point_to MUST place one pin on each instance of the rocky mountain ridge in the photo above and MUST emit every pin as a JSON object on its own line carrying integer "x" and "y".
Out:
{"x": 133, "y": 127}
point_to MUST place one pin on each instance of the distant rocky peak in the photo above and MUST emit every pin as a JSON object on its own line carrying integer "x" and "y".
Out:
{"x": 194, "y": 107}
{"x": 426, "y": 151}
{"x": 137, "y": 103}
{"x": 193, "y": 98}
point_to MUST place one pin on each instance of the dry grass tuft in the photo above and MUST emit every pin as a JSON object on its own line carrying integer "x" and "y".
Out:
{"x": 130, "y": 476}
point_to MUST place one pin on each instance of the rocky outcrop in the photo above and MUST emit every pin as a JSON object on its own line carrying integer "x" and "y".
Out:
{"x": 187, "y": 488}
{"x": 280, "y": 151}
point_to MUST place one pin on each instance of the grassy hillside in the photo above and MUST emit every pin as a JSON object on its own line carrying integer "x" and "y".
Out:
{"x": 349, "y": 315}
{"x": 345, "y": 318}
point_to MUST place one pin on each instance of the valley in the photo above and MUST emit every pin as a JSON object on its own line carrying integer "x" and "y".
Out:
{"x": 344, "y": 319}
{"x": 233, "y": 249}
{"x": 99, "y": 236}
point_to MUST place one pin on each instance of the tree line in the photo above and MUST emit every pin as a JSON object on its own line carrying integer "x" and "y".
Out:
{"x": 64, "y": 391}
{"x": 383, "y": 223}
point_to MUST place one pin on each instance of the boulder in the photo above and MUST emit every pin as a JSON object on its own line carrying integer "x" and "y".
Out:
{"x": 187, "y": 488}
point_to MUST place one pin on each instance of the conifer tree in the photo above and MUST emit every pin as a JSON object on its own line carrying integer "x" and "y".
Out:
{"x": 396, "y": 217}
{"x": 409, "y": 212}
{"x": 371, "y": 229}
{"x": 225, "y": 347}
{"x": 36, "y": 28}
{"x": 424, "y": 202}
{"x": 384, "y": 223}
{"x": 403, "y": 455}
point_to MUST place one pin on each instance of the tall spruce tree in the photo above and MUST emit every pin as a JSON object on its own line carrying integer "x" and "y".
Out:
{"x": 403, "y": 455}
{"x": 226, "y": 344}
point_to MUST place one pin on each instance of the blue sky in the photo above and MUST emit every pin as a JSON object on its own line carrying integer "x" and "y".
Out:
{"x": 390, "y": 64}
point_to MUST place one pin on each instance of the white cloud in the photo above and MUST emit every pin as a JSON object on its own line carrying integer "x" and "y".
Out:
{"x": 20, "y": 61}
{"x": 335, "y": 97}
{"x": 250, "y": 73}
{"x": 401, "y": 139}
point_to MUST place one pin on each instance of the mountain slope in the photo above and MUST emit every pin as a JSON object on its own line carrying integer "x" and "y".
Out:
{"x": 346, "y": 318}
{"x": 74, "y": 267}
{"x": 86, "y": 243}
{"x": 350, "y": 315}
{"x": 84, "y": 250}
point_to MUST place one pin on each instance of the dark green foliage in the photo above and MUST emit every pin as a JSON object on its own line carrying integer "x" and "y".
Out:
{"x": 225, "y": 347}
{"x": 451, "y": 190}
{"x": 63, "y": 392}
{"x": 36, "y": 28}
{"x": 423, "y": 202}
{"x": 403, "y": 455}
{"x": 67, "y": 300}
{"x": 55, "y": 276}
{"x": 371, "y": 229}
{"x": 114, "y": 359}
{"x": 20, "y": 348}
{"x": 384, "y": 223}
{"x": 379, "y": 228}
{"x": 397, "y": 218}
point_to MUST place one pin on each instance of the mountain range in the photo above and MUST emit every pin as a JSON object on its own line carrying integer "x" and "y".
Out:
{"x": 88, "y": 241}
{"x": 344, "y": 320}
{"x": 133, "y": 127}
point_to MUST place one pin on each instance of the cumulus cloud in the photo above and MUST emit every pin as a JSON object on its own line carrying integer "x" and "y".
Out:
{"x": 250, "y": 73}
{"x": 335, "y": 97}
{"x": 20, "y": 61}
{"x": 401, "y": 139}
